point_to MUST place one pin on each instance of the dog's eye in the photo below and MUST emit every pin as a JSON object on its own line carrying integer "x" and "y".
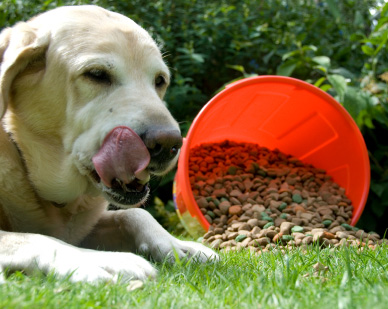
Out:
{"x": 99, "y": 76}
{"x": 160, "y": 81}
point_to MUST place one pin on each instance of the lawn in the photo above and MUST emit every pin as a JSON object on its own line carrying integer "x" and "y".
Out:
{"x": 316, "y": 278}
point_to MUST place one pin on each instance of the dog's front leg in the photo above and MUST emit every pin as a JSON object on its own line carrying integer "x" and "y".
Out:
{"x": 34, "y": 252}
{"x": 136, "y": 230}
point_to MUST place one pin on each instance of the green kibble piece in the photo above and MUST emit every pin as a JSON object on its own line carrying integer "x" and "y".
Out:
{"x": 211, "y": 214}
{"x": 264, "y": 216}
{"x": 232, "y": 170}
{"x": 297, "y": 229}
{"x": 269, "y": 224}
{"x": 347, "y": 226}
{"x": 224, "y": 199}
{"x": 309, "y": 235}
{"x": 283, "y": 216}
{"x": 267, "y": 219}
{"x": 261, "y": 173}
{"x": 255, "y": 166}
{"x": 209, "y": 198}
{"x": 287, "y": 237}
{"x": 297, "y": 198}
{"x": 282, "y": 206}
{"x": 327, "y": 222}
{"x": 216, "y": 202}
{"x": 240, "y": 238}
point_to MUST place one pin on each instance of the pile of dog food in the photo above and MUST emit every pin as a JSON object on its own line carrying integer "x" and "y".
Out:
{"x": 260, "y": 199}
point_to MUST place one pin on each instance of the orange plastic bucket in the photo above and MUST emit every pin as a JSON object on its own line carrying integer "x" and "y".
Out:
{"x": 285, "y": 113}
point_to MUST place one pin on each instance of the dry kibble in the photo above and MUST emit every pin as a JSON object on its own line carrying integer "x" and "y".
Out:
{"x": 235, "y": 210}
{"x": 254, "y": 197}
{"x": 285, "y": 228}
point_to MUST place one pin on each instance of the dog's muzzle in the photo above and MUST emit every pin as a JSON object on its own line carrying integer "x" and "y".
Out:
{"x": 124, "y": 162}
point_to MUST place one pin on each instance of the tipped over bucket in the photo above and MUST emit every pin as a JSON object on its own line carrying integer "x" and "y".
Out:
{"x": 284, "y": 113}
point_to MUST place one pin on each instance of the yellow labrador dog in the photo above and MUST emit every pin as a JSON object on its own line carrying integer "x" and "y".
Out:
{"x": 83, "y": 124}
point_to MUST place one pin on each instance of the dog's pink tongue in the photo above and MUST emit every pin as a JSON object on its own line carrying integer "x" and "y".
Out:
{"x": 122, "y": 155}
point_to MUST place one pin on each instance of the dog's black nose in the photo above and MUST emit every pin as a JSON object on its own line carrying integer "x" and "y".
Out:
{"x": 163, "y": 143}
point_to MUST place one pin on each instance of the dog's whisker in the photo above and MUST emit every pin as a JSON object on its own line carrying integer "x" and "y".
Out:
{"x": 165, "y": 55}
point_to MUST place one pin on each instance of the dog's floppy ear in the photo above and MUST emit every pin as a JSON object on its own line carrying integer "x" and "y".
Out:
{"x": 19, "y": 47}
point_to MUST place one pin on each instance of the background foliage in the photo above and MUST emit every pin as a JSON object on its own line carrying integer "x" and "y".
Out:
{"x": 340, "y": 46}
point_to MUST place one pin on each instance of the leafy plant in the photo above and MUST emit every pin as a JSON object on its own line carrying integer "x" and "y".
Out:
{"x": 339, "y": 46}
{"x": 365, "y": 97}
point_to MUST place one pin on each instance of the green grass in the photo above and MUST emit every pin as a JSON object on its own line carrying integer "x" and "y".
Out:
{"x": 241, "y": 280}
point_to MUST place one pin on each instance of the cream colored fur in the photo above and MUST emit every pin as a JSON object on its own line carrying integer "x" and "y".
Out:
{"x": 55, "y": 120}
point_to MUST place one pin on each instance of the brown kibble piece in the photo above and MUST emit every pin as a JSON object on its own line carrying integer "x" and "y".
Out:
{"x": 235, "y": 210}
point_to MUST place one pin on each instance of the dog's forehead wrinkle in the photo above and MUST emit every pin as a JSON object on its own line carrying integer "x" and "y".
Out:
{"x": 89, "y": 62}
{"x": 83, "y": 17}
{"x": 121, "y": 35}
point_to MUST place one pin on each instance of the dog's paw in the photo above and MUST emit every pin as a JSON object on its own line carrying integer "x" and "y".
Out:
{"x": 95, "y": 266}
{"x": 152, "y": 240}
{"x": 174, "y": 248}
{"x": 2, "y": 278}
{"x": 127, "y": 265}
{"x": 197, "y": 251}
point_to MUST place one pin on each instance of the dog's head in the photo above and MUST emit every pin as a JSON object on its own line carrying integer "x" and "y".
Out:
{"x": 84, "y": 89}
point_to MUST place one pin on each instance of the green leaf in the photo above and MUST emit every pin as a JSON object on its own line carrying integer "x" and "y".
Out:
{"x": 385, "y": 106}
{"x": 384, "y": 11}
{"x": 368, "y": 50}
{"x": 233, "y": 81}
{"x": 325, "y": 87}
{"x": 359, "y": 19}
{"x": 384, "y": 14}
{"x": 339, "y": 84}
{"x": 198, "y": 58}
{"x": 239, "y": 68}
{"x": 383, "y": 40}
{"x": 309, "y": 47}
{"x": 319, "y": 82}
{"x": 364, "y": 119}
{"x": 268, "y": 56}
{"x": 354, "y": 101}
{"x": 344, "y": 72}
{"x": 286, "y": 68}
{"x": 323, "y": 61}
{"x": 333, "y": 9}
{"x": 321, "y": 68}
{"x": 290, "y": 54}
{"x": 379, "y": 188}
{"x": 381, "y": 117}
{"x": 368, "y": 122}
{"x": 382, "y": 21}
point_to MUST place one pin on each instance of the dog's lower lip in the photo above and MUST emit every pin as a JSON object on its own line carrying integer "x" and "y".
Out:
{"x": 121, "y": 197}
{"x": 130, "y": 194}
{"x": 134, "y": 186}
{"x": 95, "y": 176}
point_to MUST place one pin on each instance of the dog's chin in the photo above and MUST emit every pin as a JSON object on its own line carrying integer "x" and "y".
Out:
{"x": 126, "y": 199}
{"x": 131, "y": 195}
